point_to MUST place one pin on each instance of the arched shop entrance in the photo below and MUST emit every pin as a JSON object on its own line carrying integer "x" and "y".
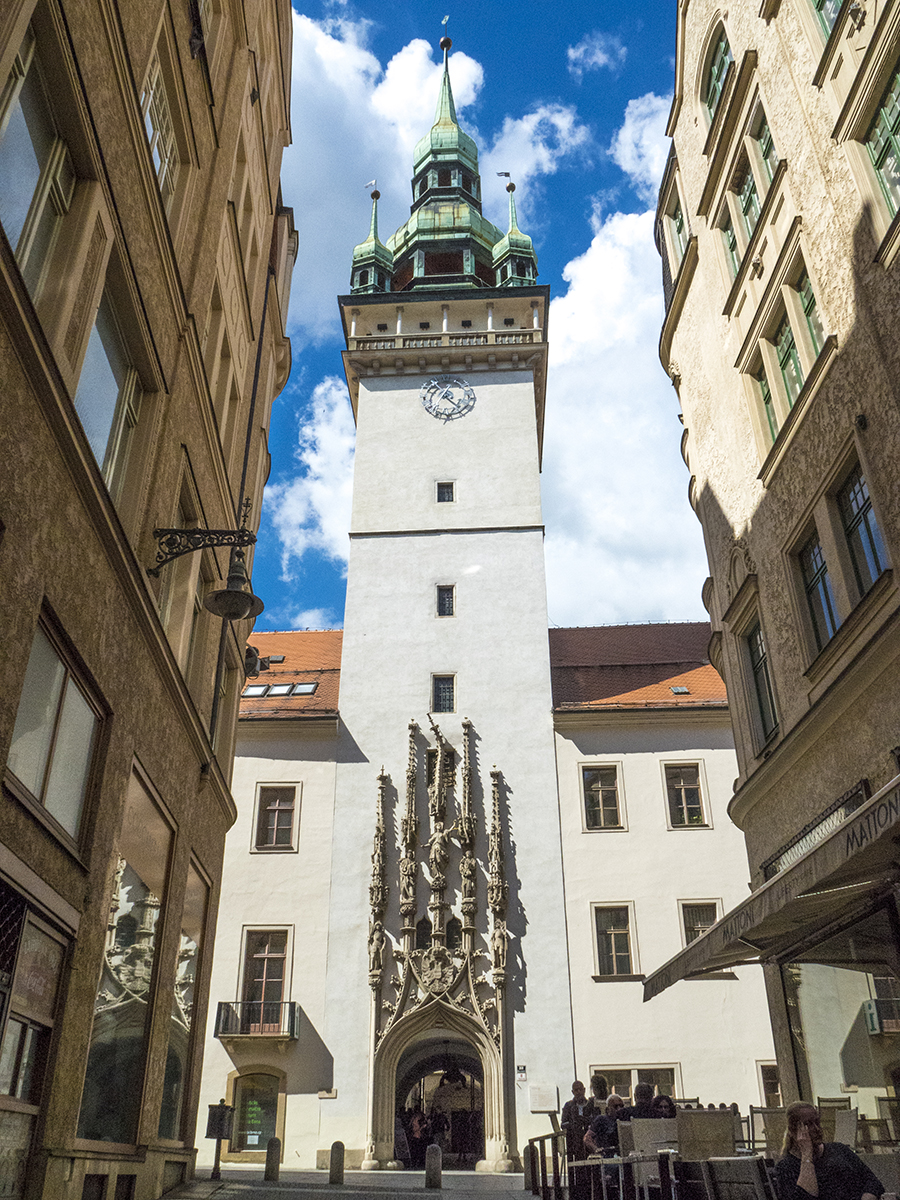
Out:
{"x": 442, "y": 1080}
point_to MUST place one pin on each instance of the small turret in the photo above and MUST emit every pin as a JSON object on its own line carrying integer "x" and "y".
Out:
{"x": 514, "y": 258}
{"x": 373, "y": 263}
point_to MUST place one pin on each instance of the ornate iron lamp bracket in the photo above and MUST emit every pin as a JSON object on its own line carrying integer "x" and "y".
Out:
{"x": 175, "y": 542}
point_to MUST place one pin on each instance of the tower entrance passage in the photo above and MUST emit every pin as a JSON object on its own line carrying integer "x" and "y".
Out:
{"x": 440, "y": 1098}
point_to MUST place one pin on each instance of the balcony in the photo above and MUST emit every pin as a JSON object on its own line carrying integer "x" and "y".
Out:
{"x": 426, "y": 341}
{"x": 278, "y": 1020}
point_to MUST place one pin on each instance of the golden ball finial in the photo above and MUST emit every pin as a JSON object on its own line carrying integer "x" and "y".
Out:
{"x": 376, "y": 195}
{"x": 446, "y": 43}
{"x": 510, "y": 187}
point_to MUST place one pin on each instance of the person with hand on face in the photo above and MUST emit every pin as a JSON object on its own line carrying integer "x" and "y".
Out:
{"x": 809, "y": 1166}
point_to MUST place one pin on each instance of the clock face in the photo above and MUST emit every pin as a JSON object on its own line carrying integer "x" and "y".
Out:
{"x": 447, "y": 397}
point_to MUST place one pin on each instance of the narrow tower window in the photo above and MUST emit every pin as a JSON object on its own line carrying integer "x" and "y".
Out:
{"x": 446, "y": 493}
{"x": 443, "y": 693}
{"x": 445, "y": 605}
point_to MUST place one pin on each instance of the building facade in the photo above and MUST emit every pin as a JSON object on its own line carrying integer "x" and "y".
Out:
{"x": 145, "y": 262}
{"x": 778, "y": 227}
{"x": 644, "y": 763}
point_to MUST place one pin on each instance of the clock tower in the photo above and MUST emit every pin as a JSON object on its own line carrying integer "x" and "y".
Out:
{"x": 448, "y": 981}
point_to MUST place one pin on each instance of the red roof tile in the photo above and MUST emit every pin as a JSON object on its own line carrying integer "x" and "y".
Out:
{"x": 310, "y": 656}
{"x": 634, "y": 666}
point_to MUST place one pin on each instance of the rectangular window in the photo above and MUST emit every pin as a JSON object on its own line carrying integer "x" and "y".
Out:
{"x": 765, "y": 395}
{"x": 748, "y": 197}
{"x": 443, "y": 693}
{"x": 819, "y": 597}
{"x": 108, "y": 397}
{"x": 157, "y": 114}
{"x": 265, "y": 958}
{"x": 767, "y": 150}
{"x": 810, "y": 309}
{"x": 613, "y": 940}
{"x": 788, "y": 360}
{"x": 683, "y": 790}
{"x": 732, "y": 253}
{"x": 864, "y": 539}
{"x": 883, "y": 143}
{"x": 275, "y": 818}
{"x": 37, "y": 178}
{"x": 762, "y": 683}
{"x": 621, "y": 1081}
{"x": 719, "y": 62}
{"x": 827, "y": 12}
{"x": 697, "y": 917}
{"x": 601, "y": 797}
{"x": 678, "y": 227}
{"x": 445, "y": 493}
{"x": 54, "y": 736}
{"x": 445, "y": 595}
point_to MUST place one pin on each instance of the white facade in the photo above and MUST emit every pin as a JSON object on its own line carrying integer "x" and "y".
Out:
{"x": 713, "y": 1034}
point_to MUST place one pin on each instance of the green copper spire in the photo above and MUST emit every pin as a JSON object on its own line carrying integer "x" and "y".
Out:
{"x": 445, "y": 113}
{"x": 373, "y": 263}
{"x": 514, "y": 258}
{"x": 446, "y": 141}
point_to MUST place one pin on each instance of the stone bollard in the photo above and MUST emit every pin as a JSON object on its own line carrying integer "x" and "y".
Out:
{"x": 528, "y": 1168}
{"x": 433, "y": 1167}
{"x": 273, "y": 1160}
{"x": 336, "y": 1167}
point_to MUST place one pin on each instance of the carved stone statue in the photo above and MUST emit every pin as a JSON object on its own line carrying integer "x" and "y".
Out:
{"x": 498, "y": 946}
{"x": 467, "y": 870}
{"x": 376, "y": 947}
{"x": 438, "y": 856}
{"x": 408, "y": 879}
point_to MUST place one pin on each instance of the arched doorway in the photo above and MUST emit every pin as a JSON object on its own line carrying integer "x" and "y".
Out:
{"x": 440, "y": 1097}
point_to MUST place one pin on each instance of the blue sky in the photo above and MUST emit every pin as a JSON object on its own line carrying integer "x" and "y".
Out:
{"x": 572, "y": 100}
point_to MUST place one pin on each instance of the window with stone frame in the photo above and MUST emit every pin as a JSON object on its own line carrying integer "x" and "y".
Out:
{"x": 446, "y": 600}
{"x": 763, "y": 692}
{"x": 720, "y": 60}
{"x": 443, "y": 693}
{"x": 37, "y": 174}
{"x": 156, "y": 110}
{"x": 600, "y": 792}
{"x": 738, "y": 215}
{"x": 827, "y": 13}
{"x": 264, "y": 980}
{"x": 612, "y": 925}
{"x": 697, "y": 916}
{"x": 684, "y": 795}
{"x": 56, "y": 733}
{"x": 818, "y": 590}
{"x": 861, "y": 530}
{"x": 883, "y": 142}
{"x": 275, "y": 816}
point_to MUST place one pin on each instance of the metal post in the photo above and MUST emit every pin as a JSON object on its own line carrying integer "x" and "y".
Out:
{"x": 273, "y": 1160}
{"x": 216, "y": 1172}
{"x": 336, "y": 1166}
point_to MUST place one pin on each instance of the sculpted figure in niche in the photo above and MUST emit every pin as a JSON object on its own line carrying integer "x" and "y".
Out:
{"x": 408, "y": 879}
{"x": 467, "y": 870}
{"x": 438, "y": 856}
{"x": 498, "y": 946}
{"x": 376, "y": 946}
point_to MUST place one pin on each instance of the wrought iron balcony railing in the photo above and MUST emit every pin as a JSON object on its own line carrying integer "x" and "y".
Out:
{"x": 258, "y": 1018}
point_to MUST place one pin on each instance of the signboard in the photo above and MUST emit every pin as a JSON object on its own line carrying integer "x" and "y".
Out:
{"x": 871, "y": 1016}
{"x": 543, "y": 1098}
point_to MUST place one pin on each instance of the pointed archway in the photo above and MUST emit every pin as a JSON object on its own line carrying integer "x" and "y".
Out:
{"x": 410, "y": 1041}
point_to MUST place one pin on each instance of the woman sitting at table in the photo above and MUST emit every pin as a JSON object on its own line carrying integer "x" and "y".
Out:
{"x": 810, "y": 1166}
{"x": 603, "y": 1135}
{"x": 664, "y": 1106}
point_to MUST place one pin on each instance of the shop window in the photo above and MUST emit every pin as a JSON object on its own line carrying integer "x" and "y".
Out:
{"x": 181, "y": 1025}
{"x": 124, "y": 1005}
{"x": 255, "y": 1111}
{"x": 600, "y": 791}
{"x": 55, "y": 734}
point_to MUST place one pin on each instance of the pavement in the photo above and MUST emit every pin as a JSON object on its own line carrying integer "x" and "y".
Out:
{"x": 242, "y": 1183}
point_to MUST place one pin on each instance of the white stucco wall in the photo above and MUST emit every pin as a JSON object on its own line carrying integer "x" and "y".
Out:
{"x": 715, "y": 1030}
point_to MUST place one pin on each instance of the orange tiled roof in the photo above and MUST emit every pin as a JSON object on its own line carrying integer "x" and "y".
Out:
{"x": 310, "y": 656}
{"x": 634, "y": 666}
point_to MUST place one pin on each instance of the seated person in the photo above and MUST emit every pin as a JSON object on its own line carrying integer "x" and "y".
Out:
{"x": 603, "y": 1135}
{"x": 664, "y": 1106}
{"x": 809, "y": 1166}
{"x": 643, "y": 1104}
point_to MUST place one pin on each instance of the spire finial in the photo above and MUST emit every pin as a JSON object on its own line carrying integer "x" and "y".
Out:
{"x": 513, "y": 227}
{"x": 446, "y": 109}
{"x": 445, "y": 40}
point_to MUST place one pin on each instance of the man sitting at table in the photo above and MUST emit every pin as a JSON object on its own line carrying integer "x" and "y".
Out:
{"x": 643, "y": 1104}
{"x": 810, "y": 1166}
{"x": 603, "y": 1135}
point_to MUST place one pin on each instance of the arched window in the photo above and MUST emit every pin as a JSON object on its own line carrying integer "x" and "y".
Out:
{"x": 423, "y": 934}
{"x": 255, "y": 1111}
{"x": 719, "y": 62}
{"x": 454, "y": 933}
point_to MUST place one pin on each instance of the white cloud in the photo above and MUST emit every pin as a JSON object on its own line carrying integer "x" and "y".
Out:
{"x": 352, "y": 122}
{"x": 594, "y": 51}
{"x": 622, "y": 543}
{"x": 313, "y": 618}
{"x": 640, "y": 147}
{"x": 529, "y": 147}
{"x": 312, "y": 511}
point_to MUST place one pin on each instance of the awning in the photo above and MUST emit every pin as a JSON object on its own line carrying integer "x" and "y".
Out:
{"x": 848, "y": 864}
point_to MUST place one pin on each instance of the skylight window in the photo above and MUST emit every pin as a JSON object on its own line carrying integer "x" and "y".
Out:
{"x": 680, "y": 691}
{"x": 304, "y": 689}
{"x": 256, "y": 689}
{"x": 280, "y": 689}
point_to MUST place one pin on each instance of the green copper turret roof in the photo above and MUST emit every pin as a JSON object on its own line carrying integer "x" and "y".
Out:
{"x": 445, "y": 139}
